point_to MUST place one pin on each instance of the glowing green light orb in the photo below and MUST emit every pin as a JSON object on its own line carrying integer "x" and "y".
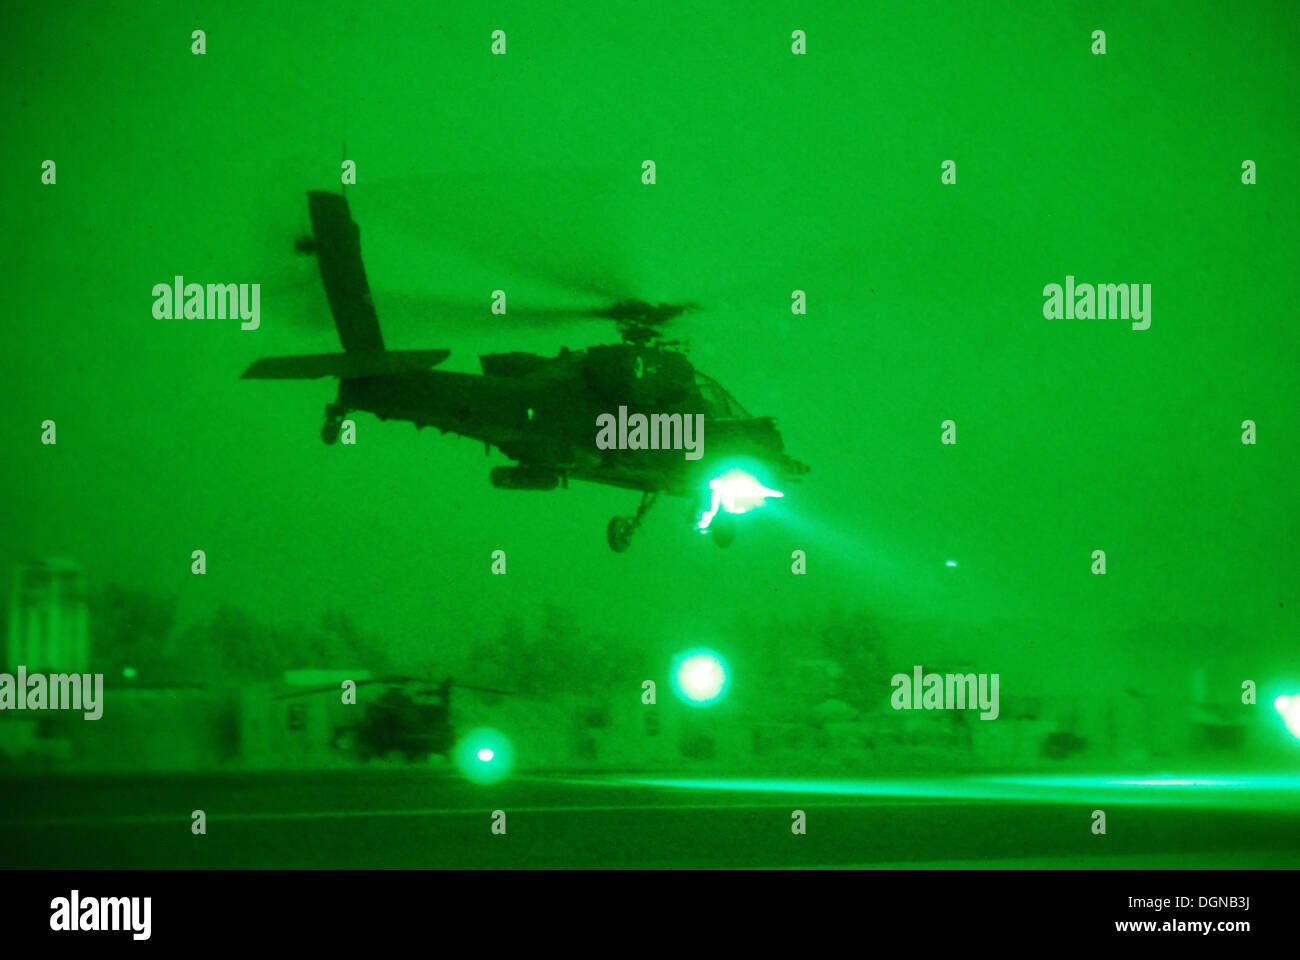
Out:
{"x": 484, "y": 756}
{"x": 700, "y": 677}
{"x": 1289, "y": 708}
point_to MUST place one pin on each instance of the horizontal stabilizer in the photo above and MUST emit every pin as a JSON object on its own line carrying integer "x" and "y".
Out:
{"x": 345, "y": 366}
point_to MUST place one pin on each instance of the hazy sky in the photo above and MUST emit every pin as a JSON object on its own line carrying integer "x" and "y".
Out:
{"x": 775, "y": 173}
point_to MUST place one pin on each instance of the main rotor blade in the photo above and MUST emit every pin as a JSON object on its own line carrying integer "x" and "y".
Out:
{"x": 436, "y": 309}
{"x": 292, "y": 293}
{"x": 562, "y": 228}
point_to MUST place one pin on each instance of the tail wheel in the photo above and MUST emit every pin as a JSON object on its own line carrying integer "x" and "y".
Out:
{"x": 329, "y": 431}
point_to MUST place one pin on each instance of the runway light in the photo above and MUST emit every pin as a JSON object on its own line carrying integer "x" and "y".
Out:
{"x": 699, "y": 677}
{"x": 736, "y": 492}
{"x": 951, "y": 563}
{"x": 1289, "y": 708}
{"x": 484, "y": 756}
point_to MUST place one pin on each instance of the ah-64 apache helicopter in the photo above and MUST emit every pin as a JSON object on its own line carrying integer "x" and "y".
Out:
{"x": 411, "y": 716}
{"x": 544, "y": 412}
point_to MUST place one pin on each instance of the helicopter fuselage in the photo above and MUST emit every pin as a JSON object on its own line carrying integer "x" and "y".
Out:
{"x": 545, "y": 414}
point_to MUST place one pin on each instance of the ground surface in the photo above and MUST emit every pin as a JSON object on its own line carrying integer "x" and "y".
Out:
{"x": 380, "y": 818}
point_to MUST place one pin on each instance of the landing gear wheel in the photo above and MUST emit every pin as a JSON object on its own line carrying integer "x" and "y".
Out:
{"x": 723, "y": 529}
{"x": 619, "y": 533}
{"x": 620, "y": 529}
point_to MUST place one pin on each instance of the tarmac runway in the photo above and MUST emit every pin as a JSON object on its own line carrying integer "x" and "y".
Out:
{"x": 380, "y": 817}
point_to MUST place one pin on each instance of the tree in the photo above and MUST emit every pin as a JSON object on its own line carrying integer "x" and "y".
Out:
{"x": 129, "y": 628}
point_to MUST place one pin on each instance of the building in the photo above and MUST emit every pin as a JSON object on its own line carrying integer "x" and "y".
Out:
{"x": 48, "y": 620}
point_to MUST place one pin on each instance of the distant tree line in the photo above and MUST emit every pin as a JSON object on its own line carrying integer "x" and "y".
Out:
{"x": 133, "y": 632}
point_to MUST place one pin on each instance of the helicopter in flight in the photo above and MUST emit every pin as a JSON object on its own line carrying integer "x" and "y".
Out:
{"x": 634, "y": 414}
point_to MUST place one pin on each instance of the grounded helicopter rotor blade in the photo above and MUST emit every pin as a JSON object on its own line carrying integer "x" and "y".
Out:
{"x": 395, "y": 679}
{"x": 470, "y": 686}
{"x": 311, "y": 691}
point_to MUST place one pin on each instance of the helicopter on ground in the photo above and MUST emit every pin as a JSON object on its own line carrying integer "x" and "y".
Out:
{"x": 411, "y": 717}
{"x": 678, "y": 431}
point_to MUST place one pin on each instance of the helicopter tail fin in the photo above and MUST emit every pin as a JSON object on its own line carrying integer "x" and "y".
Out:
{"x": 336, "y": 241}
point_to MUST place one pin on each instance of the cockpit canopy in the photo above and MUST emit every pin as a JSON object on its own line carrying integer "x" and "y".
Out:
{"x": 719, "y": 404}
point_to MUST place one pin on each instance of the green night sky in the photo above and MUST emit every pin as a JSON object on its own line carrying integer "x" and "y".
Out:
{"x": 775, "y": 173}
